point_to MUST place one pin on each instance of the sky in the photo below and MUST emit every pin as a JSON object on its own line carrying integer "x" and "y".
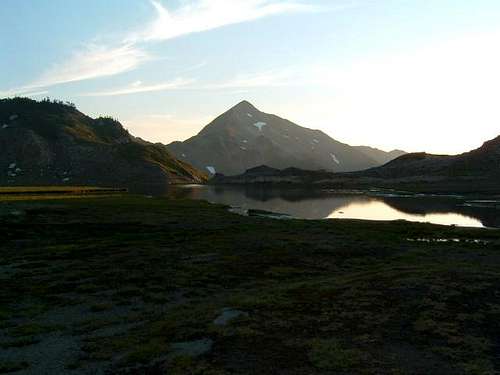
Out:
{"x": 418, "y": 75}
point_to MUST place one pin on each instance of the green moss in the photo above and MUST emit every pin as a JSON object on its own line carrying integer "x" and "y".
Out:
{"x": 9, "y": 366}
{"x": 330, "y": 354}
{"x": 284, "y": 272}
{"x": 478, "y": 367}
{"x": 181, "y": 365}
{"x": 100, "y": 307}
{"x": 74, "y": 365}
{"x": 5, "y": 314}
{"x": 146, "y": 352}
{"x": 88, "y": 288}
{"x": 32, "y": 329}
{"x": 90, "y": 325}
{"x": 129, "y": 292}
{"x": 21, "y": 342}
{"x": 425, "y": 325}
{"x": 156, "y": 298}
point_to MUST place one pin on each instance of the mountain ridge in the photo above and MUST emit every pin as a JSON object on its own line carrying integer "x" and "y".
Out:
{"x": 484, "y": 160}
{"x": 46, "y": 142}
{"x": 244, "y": 137}
{"x": 379, "y": 155}
{"x": 475, "y": 171}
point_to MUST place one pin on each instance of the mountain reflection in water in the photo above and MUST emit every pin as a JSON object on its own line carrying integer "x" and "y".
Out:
{"x": 320, "y": 204}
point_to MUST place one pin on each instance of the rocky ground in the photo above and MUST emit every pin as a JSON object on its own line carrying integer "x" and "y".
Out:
{"x": 135, "y": 285}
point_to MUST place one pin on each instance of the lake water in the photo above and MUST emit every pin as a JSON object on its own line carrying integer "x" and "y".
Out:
{"x": 372, "y": 205}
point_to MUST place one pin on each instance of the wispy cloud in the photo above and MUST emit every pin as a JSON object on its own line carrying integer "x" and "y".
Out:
{"x": 204, "y": 15}
{"x": 93, "y": 61}
{"x": 138, "y": 87}
{"x": 270, "y": 78}
{"x": 97, "y": 61}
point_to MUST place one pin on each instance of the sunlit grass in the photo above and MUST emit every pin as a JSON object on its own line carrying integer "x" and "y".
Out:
{"x": 15, "y": 193}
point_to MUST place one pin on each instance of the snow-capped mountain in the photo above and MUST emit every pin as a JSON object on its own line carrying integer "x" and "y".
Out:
{"x": 244, "y": 137}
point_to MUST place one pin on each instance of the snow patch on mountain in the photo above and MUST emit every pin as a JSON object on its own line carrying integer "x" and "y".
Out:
{"x": 260, "y": 125}
{"x": 335, "y": 159}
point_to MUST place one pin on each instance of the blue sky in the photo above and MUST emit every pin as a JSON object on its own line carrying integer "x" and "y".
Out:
{"x": 421, "y": 75}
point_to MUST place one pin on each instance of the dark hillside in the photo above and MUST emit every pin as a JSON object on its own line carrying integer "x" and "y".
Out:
{"x": 52, "y": 143}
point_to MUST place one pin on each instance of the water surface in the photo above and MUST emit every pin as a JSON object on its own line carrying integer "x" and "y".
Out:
{"x": 373, "y": 205}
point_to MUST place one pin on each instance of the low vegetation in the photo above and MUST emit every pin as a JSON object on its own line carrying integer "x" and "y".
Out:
{"x": 24, "y": 190}
{"x": 135, "y": 285}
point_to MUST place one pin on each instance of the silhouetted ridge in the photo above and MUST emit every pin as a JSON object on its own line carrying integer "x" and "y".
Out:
{"x": 53, "y": 143}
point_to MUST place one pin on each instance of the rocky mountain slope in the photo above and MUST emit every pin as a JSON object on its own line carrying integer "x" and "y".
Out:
{"x": 484, "y": 161}
{"x": 380, "y": 156}
{"x": 245, "y": 137}
{"x": 477, "y": 171}
{"x": 53, "y": 143}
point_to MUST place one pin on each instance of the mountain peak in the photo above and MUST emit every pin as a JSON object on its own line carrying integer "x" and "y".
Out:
{"x": 244, "y": 106}
{"x": 244, "y": 137}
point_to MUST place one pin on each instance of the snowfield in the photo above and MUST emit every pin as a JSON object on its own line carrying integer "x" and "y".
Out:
{"x": 335, "y": 158}
{"x": 260, "y": 125}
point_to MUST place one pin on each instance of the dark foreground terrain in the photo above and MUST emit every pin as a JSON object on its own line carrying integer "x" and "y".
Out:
{"x": 134, "y": 285}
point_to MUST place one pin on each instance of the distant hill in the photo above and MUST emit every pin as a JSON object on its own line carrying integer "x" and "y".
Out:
{"x": 380, "y": 156}
{"x": 53, "y": 143}
{"x": 244, "y": 137}
{"x": 484, "y": 161}
{"x": 477, "y": 171}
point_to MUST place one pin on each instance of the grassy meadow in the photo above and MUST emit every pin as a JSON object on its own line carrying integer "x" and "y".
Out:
{"x": 130, "y": 284}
